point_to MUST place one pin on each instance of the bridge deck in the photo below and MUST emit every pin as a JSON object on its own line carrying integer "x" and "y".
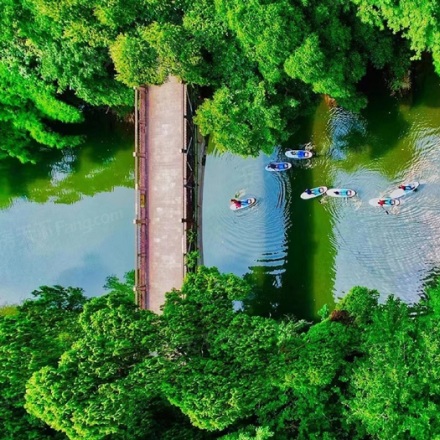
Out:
{"x": 161, "y": 198}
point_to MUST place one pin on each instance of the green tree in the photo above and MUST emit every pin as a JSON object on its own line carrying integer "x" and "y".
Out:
{"x": 250, "y": 433}
{"x": 70, "y": 44}
{"x": 134, "y": 70}
{"x": 34, "y": 337}
{"x": 220, "y": 363}
{"x": 8, "y": 310}
{"x": 106, "y": 384}
{"x": 368, "y": 370}
{"x": 262, "y": 61}
{"x": 394, "y": 385}
{"x": 24, "y": 116}
{"x": 416, "y": 21}
{"x": 359, "y": 303}
{"x": 41, "y": 64}
{"x": 244, "y": 121}
{"x": 114, "y": 285}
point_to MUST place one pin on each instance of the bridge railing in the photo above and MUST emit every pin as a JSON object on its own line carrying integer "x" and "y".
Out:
{"x": 141, "y": 197}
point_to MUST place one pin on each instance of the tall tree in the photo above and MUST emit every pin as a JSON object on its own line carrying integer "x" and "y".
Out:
{"x": 34, "y": 337}
{"x": 40, "y": 66}
{"x": 394, "y": 388}
{"x": 368, "y": 370}
{"x": 244, "y": 120}
{"x": 220, "y": 364}
{"x": 106, "y": 384}
{"x": 263, "y": 61}
{"x": 417, "y": 21}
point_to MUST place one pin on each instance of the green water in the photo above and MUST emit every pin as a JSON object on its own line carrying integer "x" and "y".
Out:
{"x": 68, "y": 220}
{"x": 302, "y": 254}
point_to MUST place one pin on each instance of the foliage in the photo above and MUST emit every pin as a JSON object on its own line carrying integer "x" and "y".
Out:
{"x": 125, "y": 286}
{"x": 220, "y": 364}
{"x": 34, "y": 337}
{"x": 40, "y": 65}
{"x": 192, "y": 258}
{"x": 22, "y": 116}
{"x": 359, "y": 303}
{"x": 106, "y": 369}
{"x": 132, "y": 69}
{"x": 106, "y": 384}
{"x": 242, "y": 121}
{"x": 394, "y": 387}
{"x": 8, "y": 310}
{"x": 96, "y": 390}
{"x": 264, "y": 62}
{"x": 250, "y": 433}
{"x": 417, "y": 21}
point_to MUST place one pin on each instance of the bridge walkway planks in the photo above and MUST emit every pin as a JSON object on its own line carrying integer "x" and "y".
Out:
{"x": 161, "y": 206}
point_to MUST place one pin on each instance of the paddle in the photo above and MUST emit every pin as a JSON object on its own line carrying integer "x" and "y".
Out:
{"x": 384, "y": 209}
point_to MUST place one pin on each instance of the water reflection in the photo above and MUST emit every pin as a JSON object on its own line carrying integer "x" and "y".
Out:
{"x": 68, "y": 220}
{"x": 100, "y": 165}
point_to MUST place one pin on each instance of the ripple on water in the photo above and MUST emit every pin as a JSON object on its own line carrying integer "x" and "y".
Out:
{"x": 392, "y": 250}
{"x": 252, "y": 236}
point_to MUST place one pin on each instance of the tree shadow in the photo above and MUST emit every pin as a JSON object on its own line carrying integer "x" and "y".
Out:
{"x": 385, "y": 123}
{"x": 287, "y": 290}
{"x": 425, "y": 83}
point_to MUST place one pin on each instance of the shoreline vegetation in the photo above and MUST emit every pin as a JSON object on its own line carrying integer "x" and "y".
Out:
{"x": 258, "y": 67}
{"x": 76, "y": 367}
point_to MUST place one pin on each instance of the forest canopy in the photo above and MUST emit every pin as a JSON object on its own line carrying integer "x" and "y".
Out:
{"x": 261, "y": 63}
{"x": 101, "y": 368}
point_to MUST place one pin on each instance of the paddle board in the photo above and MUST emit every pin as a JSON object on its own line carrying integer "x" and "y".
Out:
{"x": 314, "y": 192}
{"x": 245, "y": 203}
{"x": 299, "y": 154}
{"x": 388, "y": 202}
{"x": 278, "y": 166}
{"x": 341, "y": 192}
{"x": 409, "y": 187}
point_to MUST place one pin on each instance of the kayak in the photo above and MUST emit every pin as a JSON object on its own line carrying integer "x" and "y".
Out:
{"x": 299, "y": 154}
{"x": 340, "y": 192}
{"x": 278, "y": 166}
{"x": 409, "y": 187}
{"x": 314, "y": 192}
{"x": 388, "y": 202}
{"x": 244, "y": 203}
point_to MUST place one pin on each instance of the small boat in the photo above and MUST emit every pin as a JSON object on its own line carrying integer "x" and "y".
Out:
{"x": 243, "y": 203}
{"x": 340, "y": 192}
{"x": 388, "y": 201}
{"x": 278, "y": 166}
{"x": 313, "y": 192}
{"x": 299, "y": 154}
{"x": 403, "y": 189}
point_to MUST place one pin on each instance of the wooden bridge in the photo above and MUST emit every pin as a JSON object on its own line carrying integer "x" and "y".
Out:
{"x": 166, "y": 176}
